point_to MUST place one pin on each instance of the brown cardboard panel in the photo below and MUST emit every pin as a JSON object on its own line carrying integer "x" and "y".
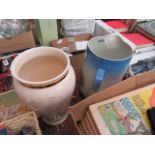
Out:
{"x": 91, "y": 122}
{"x": 69, "y": 42}
{"x": 81, "y": 129}
{"x": 19, "y": 42}
{"x": 77, "y": 61}
{"x": 114, "y": 90}
{"x": 66, "y": 41}
{"x": 88, "y": 125}
{"x": 80, "y": 108}
{"x": 72, "y": 125}
{"x": 130, "y": 84}
{"x": 85, "y": 129}
{"x": 144, "y": 79}
{"x": 77, "y": 96}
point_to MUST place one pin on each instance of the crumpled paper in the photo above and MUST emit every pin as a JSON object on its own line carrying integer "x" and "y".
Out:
{"x": 143, "y": 66}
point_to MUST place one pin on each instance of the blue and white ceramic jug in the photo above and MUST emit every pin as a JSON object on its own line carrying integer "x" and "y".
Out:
{"x": 106, "y": 61}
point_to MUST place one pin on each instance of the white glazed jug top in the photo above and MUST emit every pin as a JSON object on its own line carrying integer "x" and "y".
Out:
{"x": 111, "y": 47}
{"x": 27, "y": 55}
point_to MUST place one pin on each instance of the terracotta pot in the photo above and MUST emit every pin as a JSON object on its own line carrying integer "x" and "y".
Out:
{"x": 45, "y": 80}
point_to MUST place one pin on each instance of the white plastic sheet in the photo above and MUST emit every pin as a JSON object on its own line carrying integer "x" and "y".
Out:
{"x": 74, "y": 27}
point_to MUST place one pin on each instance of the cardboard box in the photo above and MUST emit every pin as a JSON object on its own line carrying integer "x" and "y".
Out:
{"x": 19, "y": 42}
{"x": 73, "y": 44}
{"x": 78, "y": 111}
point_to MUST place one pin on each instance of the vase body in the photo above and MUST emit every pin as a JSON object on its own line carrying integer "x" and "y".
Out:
{"x": 50, "y": 97}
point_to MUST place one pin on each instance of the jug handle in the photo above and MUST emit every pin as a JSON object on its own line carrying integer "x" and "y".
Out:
{"x": 100, "y": 74}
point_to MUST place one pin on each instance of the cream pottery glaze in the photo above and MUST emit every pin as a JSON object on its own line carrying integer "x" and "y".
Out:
{"x": 45, "y": 80}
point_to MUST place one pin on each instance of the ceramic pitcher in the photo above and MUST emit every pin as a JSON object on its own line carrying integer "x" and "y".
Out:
{"x": 106, "y": 61}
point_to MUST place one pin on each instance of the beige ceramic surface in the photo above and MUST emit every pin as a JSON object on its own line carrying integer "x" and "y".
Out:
{"x": 40, "y": 67}
{"x": 29, "y": 58}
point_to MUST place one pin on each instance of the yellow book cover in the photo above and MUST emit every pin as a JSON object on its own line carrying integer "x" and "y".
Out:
{"x": 125, "y": 114}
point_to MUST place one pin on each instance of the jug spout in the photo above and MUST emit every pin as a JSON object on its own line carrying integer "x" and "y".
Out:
{"x": 131, "y": 45}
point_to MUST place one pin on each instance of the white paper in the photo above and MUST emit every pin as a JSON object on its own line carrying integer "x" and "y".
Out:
{"x": 142, "y": 56}
{"x": 81, "y": 45}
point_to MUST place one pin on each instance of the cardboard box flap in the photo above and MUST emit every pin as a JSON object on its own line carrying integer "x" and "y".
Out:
{"x": 71, "y": 42}
{"x": 145, "y": 78}
{"x": 73, "y": 125}
{"x": 19, "y": 42}
{"x": 130, "y": 84}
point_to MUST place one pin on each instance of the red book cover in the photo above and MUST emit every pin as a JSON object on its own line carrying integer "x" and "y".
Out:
{"x": 137, "y": 38}
{"x": 117, "y": 24}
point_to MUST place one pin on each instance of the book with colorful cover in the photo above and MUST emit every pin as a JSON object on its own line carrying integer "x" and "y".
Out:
{"x": 125, "y": 114}
{"x": 118, "y": 25}
{"x": 138, "y": 39}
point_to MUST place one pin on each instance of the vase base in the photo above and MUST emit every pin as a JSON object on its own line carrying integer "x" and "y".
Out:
{"x": 56, "y": 122}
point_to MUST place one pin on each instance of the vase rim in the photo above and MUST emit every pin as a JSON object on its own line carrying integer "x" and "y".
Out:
{"x": 44, "y": 83}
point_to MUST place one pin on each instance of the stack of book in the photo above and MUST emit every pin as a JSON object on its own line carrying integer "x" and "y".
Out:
{"x": 122, "y": 115}
{"x": 143, "y": 38}
{"x": 147, "y": 28}
{"x": 139, "y": 40}
{"x": 118, "y": 25}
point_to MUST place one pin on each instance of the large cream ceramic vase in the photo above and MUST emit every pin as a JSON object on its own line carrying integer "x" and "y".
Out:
{"x": 45, "y": 80}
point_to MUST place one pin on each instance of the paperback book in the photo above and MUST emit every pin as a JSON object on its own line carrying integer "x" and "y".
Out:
{"x": 147, "y": 29}
{"x": 125, "y": 114}
{"x": 139, "y": 40}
